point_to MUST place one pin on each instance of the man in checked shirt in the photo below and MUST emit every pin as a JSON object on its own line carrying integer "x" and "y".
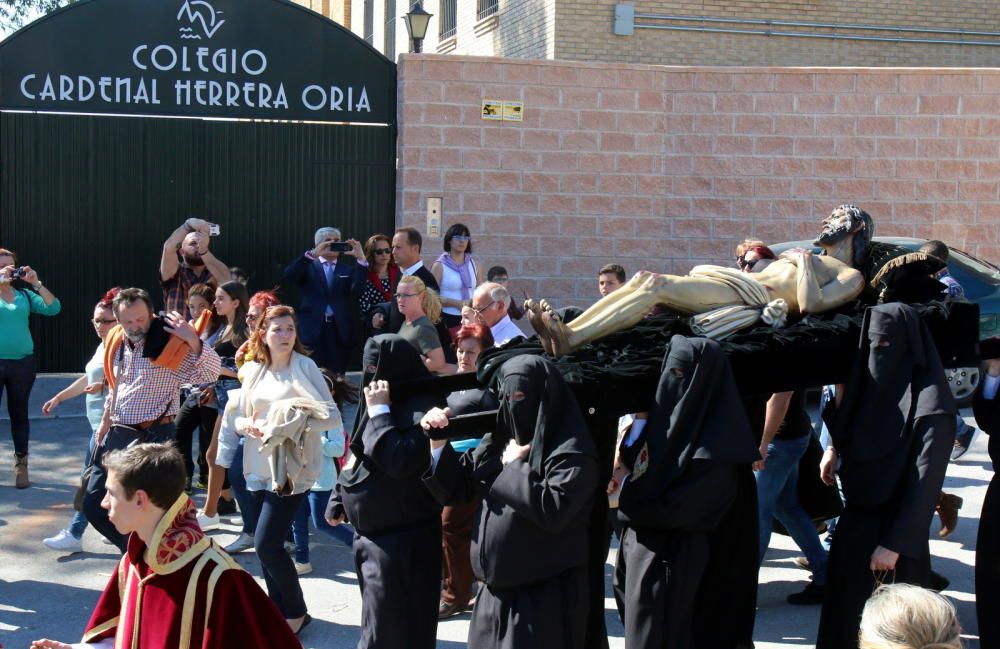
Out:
{"x": 144, "y": 402}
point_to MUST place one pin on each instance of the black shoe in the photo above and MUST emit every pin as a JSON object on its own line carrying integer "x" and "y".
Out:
{"x": 939, "y": 582}
{"x": 810, "y": 595}
{"x": 305, "y": 622}
{"x": 226, "y": 507}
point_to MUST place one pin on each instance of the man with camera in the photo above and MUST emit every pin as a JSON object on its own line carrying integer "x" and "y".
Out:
{"x": 17, "y": 349}
{"x": 186, "y": 261}
{"x": 327, "y": 283}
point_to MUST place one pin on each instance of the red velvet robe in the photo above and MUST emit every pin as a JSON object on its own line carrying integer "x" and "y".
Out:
{"x": 188, "y": 594}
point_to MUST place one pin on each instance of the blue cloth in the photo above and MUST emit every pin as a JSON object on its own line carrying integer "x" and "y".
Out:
{"x": 777, "y": 497}
{"x": 463, "y": 445}
{"x": 16, "y": 379}
{"x": 314, "y": 506}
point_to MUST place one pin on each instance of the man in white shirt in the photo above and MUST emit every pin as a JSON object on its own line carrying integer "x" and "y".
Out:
{"x": 490, "y": 303}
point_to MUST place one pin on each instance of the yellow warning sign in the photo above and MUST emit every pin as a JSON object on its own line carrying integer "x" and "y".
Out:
{"x": 513, "y": 111}
{"x": 492, "y": 109}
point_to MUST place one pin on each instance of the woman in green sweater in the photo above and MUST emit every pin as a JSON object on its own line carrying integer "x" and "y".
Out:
{"x": 17, "y": 349}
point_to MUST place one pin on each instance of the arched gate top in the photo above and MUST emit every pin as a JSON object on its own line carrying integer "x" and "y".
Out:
{"x": 256, "y": 59}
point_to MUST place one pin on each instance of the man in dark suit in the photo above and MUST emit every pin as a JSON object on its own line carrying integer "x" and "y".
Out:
{"x": 328, "y": 281}
{"x": 386, "y": 318}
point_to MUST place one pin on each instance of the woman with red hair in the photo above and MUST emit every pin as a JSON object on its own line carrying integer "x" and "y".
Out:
{"x": 91, "y": 383}
{"x": 456, "y": 520}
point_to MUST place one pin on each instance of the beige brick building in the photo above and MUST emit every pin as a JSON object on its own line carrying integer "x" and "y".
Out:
{"x": 897, "y": 33}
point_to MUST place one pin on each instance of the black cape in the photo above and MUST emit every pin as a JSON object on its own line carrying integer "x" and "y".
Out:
{"x": 690, "y": 451}
{"x": 987, "y": 414}
{"x": 894, "y": 432}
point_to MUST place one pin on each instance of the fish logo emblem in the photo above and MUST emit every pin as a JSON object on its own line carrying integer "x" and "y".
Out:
{"x": 201, "y": 15}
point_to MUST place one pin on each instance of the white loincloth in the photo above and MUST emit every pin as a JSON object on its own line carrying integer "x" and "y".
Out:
{"x": 727, "y": 320}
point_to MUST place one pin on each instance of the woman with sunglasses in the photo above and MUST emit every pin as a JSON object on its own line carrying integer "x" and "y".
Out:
{"x": 383, "y": 274}
{"x": 750, "y": 253}
{"x": 421, "y": 309}
{"x": 90, "y": 383}
{"x": 456, "y": 273}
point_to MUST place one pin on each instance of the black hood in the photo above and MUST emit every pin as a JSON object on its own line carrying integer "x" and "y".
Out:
{"x": 537, "y": 407}
{"x": 897, "y": 378}
{"x": 697, "y": 414}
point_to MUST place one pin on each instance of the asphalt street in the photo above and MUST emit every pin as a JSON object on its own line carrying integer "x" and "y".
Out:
{"x": 46, "y": 594}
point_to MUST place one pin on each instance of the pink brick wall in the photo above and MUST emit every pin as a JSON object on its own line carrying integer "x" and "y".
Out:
{"x": 666, "y": 167}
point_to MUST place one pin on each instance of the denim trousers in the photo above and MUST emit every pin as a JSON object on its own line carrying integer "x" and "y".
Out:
{"x": 244, "y": 498}
{"x": 16, "y": 379}
{"x": 117, "y": 438}
{"x": 274, "y": 516}
{"x": 314, "y": 506}
{"x": 777, "y": 497}
{"x": 79, "y": 523}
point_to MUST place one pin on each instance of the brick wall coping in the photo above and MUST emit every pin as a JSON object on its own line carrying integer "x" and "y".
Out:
{"x": 404, "y": 59}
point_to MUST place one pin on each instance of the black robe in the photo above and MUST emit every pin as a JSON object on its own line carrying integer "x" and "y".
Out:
{"x": 684, "y": 480}
{"x": 397, "y": 550}
{"x": 529, "y": 542}
{"x": 894, "y": 432}
{"x": 988, "y": 541}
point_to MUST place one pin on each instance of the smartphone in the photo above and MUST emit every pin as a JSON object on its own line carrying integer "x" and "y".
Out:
{"x": 214, "y": 230}
{"x": 339, "y": 246}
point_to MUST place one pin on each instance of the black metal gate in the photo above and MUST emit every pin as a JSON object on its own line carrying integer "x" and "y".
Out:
{"x": 88, "y": 199}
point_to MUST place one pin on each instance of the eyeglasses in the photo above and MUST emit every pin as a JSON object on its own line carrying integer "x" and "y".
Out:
{"x": 460, "y": 237}
{"x": 479, "y": 311}
{"x": 98, "y": 321}
{"x": 251, "y": 317}
{"x": 402, "y": 295}
{"x": 382, "y": 251}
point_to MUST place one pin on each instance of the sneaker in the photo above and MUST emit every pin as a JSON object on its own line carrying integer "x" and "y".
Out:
{"x": 202, "y": 483}
{"x": 226, "y": 507}
{"x": 207, "y": 523}
{"x": 963, "y": 441}
{"x": 21, "y": 480}
{"x": 64, "y": 542}
{"x": 242, "y": 543}
{"x": 811, "y": 595}
{"x": 303, "y": 568}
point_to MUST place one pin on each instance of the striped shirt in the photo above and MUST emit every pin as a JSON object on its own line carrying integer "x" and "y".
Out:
{"x": 146, "y": 391}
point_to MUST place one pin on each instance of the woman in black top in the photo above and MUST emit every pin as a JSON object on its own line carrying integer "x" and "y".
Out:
{"x": 231, "y": 302}
{"x": 383, "y": 274}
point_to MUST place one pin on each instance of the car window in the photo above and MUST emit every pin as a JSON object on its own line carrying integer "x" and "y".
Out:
{"x": 976, "y": 266}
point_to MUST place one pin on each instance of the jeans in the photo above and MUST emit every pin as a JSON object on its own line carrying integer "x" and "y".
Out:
{"x": 79, "y": 523}
{"x": 275, "y": 515}
{"x": 244, "y": 498}
{"x": 117, "y": 438}
{"x": 315, "y": 503}
{"x": 777, "y": 497}
{"x": 17, "y": 377}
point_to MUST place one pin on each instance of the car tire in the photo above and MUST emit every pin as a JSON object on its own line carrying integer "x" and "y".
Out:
{"x": 963, "y": 382}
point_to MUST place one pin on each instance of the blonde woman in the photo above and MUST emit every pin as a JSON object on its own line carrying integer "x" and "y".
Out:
{"x": 421, "y": 309}
{"x": 903, "y": 616}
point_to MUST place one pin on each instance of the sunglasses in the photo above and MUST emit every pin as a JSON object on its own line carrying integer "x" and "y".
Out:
{"x": 98, "y": 321}
{"x": 460, "y": 237}
{"x": 402, "y": 295}
{"x": 382, "y": 251}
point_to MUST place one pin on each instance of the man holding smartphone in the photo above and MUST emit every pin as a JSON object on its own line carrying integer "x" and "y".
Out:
{"x": 327, "y": 281}
{"x": 186, "y": 261}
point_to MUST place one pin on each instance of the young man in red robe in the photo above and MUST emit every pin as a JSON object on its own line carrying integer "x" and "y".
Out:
{"x": 174, "y": 587}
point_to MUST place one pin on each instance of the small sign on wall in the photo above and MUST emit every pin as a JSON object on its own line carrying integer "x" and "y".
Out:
{"x": 495, "y": 110}
{"x": 492, "y": 110}
{"x": 513, "y": 111}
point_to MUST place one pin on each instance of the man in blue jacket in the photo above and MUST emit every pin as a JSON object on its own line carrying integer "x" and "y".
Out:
{"x": 328, "y": 282}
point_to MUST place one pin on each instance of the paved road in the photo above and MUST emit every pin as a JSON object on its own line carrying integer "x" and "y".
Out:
{"x": 46, "y": 594}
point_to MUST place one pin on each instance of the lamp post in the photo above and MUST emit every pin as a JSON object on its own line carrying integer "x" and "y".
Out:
{"x": 416, "y": 24}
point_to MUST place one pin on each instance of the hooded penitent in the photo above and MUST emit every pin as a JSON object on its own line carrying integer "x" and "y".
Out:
{"x": 697, "y": 415}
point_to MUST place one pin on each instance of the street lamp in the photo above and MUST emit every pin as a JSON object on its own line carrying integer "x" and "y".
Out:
{"x": 416, "y": 24}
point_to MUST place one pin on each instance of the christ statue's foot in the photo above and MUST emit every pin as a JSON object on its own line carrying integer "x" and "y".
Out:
{"x": 557, "y": 332}
{"x": 535, "y": 312}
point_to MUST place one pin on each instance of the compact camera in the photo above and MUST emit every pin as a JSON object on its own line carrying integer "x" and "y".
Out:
{"x": 18, "y": 273}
